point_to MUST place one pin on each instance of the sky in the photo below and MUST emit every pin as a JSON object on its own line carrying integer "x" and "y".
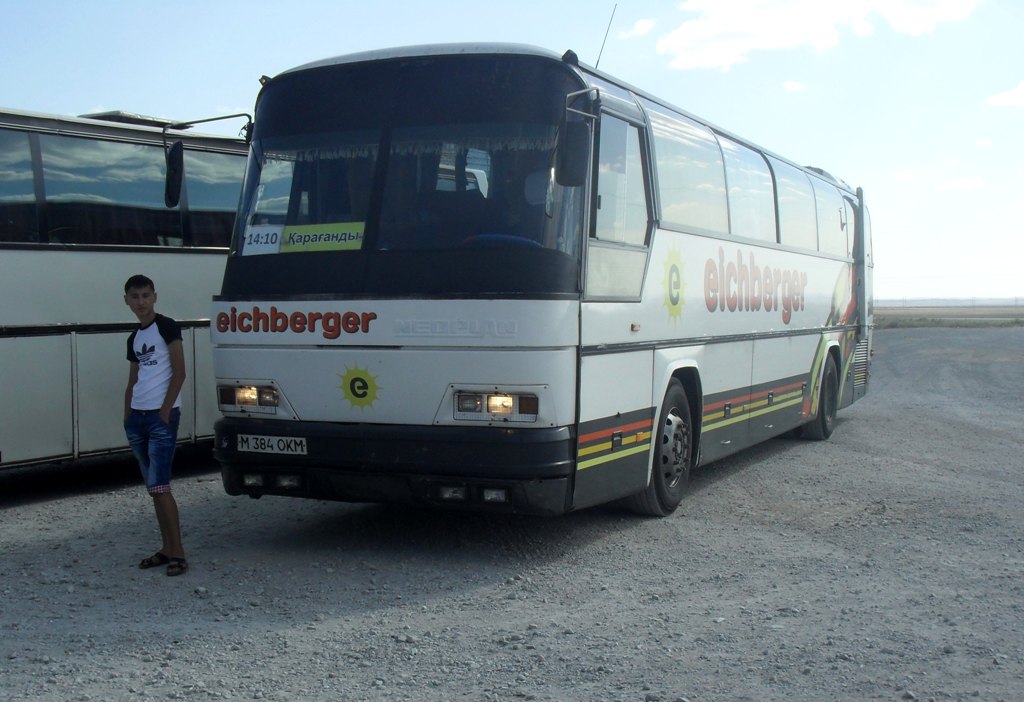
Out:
{"x": 919, "y": 102}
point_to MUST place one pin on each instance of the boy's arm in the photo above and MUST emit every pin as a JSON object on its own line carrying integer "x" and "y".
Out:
{"x": 133, "y": 377}
{"x": 177, "y": 354}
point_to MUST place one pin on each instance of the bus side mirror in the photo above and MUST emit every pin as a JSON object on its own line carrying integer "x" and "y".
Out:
{"x": 175, "y": 157}
{"x": 573, "y": 154}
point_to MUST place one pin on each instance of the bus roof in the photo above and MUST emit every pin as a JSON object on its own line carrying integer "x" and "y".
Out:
{"x": 98, "y": 125}
{"x": 586, "y": 72}
{"x": 429, "y": 50}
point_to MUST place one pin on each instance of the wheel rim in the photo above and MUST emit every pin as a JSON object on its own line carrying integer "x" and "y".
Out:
{"x": 674, "y": 449}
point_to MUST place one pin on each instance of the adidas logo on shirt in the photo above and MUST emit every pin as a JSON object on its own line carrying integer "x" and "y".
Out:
{"x": 145, "y": 355}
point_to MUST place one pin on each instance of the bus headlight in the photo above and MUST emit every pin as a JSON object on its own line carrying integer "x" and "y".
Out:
{"x": 248, "y": 398}
{"x": 496, "y": 407}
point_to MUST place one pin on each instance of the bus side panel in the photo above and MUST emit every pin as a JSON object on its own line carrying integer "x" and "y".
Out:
{"x": 102, "y": 376}
{"x": 39, "y": 383}
{"x": 102, "y": 370}
{"x": 35, "y": 405}
{"x": 202, "y": 384}
{"x": 783, "y": 379}
{"x": 724, "y": 371}
{"x": 613, "y": 454}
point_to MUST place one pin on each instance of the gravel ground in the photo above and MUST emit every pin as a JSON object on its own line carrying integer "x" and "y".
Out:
{"x": 883, "y": 564}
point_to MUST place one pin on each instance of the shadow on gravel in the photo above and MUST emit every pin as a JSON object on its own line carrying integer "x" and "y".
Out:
{"x": 773, "y": 450}
{"x": 54, "y": 481}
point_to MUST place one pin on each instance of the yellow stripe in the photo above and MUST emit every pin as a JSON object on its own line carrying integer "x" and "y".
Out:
{"x": 778, "y": 406}
{"x": 795, "y": 394}
{"x": 583, "y": 465}
{"x": 595, "y": 448}
{"x": 741, "y": 417}
{"x": 796, "y": 400}
{"x": 607, "y": 445}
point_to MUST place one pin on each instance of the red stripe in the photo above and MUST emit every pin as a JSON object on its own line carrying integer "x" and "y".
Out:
{"x": 605, "y": 433}
{"x": 723, "y": 403}
{"x": 747, "y": 398}
{"x": 784, "y": 388}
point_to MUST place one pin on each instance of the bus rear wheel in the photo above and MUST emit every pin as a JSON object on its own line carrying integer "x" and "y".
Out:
{"x": 670, "y": 471}
{"x": 822, "y": 426}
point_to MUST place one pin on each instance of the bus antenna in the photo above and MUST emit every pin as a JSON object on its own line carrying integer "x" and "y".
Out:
{"x": 599, "y": 53}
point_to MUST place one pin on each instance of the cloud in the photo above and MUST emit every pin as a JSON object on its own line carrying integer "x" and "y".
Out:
{"x": 958, "y": 184}
{"x": 723, "y": 33}
{"x": 983, "y": 142}
{"x": 642, "y": 27}
{"x": 1011, "y": 98}
{"x": 917, "y": 17}
{"x": 794, "y": 86}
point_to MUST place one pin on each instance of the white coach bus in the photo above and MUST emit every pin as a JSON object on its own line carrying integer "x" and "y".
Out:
{"x": 82, "y": 208}
{"x": 490, "y": 276}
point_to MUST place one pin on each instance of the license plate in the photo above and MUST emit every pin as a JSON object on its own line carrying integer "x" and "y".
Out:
{"x": 255, "y": 443}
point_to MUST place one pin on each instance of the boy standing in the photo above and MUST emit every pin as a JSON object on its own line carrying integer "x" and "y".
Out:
{"x": 152, "y": 404}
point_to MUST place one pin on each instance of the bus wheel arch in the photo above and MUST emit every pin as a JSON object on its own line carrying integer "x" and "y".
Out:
{"x": 824, "y": 423}
{"x": 672, "y": 457}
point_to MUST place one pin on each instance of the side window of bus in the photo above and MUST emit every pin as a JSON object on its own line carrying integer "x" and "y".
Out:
{"x": 213, "y": 183}
{"x": 617, "y": 255}
{"x": 834, "y": 234}
{"x": 103, "y": 192}
{"x": 18, "y": 221}
{"x": 798, "y": 219}
{"x": 691, "y": 175}
{"x": 621, "y": 193}
{"x": 751, "y": 192}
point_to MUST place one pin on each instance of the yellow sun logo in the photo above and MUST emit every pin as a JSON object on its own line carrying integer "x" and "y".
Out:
{"x": 359, "y": 387}
{"x": 675, "y": 285}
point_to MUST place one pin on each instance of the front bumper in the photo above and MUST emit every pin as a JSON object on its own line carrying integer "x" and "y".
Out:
{"x": 532, "y": 468}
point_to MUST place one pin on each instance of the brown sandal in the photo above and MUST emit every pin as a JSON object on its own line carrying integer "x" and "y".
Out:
{"x": 178, "y": 566}
{"x": 157, "y": 559}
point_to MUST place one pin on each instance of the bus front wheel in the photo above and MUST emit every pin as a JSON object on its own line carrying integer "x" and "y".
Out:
{"x": 670, "y": 471}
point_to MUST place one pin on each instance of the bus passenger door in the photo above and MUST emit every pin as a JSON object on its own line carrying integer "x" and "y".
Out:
{"x": 615, "y": 408}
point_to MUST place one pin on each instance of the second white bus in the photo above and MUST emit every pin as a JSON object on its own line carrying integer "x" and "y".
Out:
{"x": 82, "y": 208}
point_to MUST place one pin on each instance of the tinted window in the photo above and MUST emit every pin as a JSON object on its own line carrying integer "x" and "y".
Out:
{"x": 17, "y": 196}
{"x": 691, "y": 175}
{"x": 437, "y": 180}
{"x": 751, "y": 192}
{"x": 798, "y": 220}
{"x": 102, "y": 192}
{"x": 213, "y": 183}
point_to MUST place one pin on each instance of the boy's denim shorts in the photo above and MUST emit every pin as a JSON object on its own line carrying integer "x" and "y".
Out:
{"x": 153, "y": 444}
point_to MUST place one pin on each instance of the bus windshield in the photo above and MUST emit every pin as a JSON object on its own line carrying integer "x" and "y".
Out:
{"x": 438, "y": 169}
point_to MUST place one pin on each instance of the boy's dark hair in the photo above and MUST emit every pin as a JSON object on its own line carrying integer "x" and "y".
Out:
{"x": 139, "y": 281}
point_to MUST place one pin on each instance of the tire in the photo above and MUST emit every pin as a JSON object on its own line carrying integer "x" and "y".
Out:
{"x": 822, "y": 426}
{"x": 670, "y": 472}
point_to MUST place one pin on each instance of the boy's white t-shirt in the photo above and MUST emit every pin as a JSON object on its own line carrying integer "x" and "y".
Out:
{"x": 147, "y": 346}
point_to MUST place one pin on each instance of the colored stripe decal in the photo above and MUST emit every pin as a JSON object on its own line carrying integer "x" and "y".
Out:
{"x": 583, "y": 465}
{"x": 593, "y": 436}
{"x": 614, "y": 438}
{"x": 745, "y": 407}
{"x": 607, "y": 445}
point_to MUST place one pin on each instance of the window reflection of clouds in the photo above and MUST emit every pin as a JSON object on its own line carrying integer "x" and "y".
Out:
{"x": 15, "y": 166}
{"x": 214, "y": 181}
{"x": 98, "y": 171}
{"x": 797, "y": 213}
{"x": 751, "y": 196}
{"x": 691, "y": 175}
